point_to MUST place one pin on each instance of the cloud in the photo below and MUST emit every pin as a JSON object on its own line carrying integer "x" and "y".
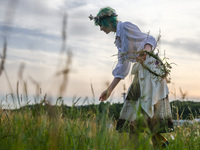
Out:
{"x": 42, "y": 15}
{"x": 33, "y": 39}
{"x": 71, "y": 4}
{"x": 187, "y": 44}
{"x": 28, "y": 32}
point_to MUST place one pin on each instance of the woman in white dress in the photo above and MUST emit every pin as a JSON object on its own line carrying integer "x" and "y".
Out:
{"x": 147, "y": 104}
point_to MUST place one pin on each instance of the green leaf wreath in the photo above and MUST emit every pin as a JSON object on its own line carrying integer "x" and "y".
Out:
{"x": 164, "y": 65}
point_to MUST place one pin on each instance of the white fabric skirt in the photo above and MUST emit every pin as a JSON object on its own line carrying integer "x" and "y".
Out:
{"x": 133, "y": 118}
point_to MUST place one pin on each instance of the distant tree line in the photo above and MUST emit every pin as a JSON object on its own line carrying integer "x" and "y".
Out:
{"x": 180, "y": 110}
{"x": 185, "y": 109}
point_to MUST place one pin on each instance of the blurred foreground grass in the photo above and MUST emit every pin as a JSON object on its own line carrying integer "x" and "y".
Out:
{"x": 48, "y": 127}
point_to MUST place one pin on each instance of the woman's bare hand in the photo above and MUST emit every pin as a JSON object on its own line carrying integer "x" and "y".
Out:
{"x": 105, "y": 95}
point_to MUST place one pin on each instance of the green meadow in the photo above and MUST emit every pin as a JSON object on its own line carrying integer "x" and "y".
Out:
{"x": 57, "y": 127}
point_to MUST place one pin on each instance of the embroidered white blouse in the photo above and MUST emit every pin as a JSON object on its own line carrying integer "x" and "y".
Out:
{"x": 129, "y": 38}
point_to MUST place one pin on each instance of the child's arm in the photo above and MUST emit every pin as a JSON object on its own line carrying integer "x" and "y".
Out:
{"x": 104, "y": 96}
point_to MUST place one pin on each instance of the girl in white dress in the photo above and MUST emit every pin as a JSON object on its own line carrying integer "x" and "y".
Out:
{"x": 147, "y": 104}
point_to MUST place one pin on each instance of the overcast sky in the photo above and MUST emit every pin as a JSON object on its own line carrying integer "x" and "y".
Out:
{"x": 33, "y": 30}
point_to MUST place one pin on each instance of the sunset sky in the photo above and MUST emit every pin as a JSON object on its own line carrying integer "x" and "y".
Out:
{"x": 33, "y": 29}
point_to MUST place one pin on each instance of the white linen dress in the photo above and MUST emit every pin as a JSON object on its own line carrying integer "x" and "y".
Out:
{"x": 147, "y": 103}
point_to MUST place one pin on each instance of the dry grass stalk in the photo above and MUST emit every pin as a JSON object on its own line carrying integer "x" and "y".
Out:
{"x": 64, "y": 33}
{"x": 21, "y": 71}
{"x": 3, "y": 57}
{"x": 18, "y": 93}
{"x": 38, "y": 90}
{"x": 65, "y": 71}
{"x": 2, "y": 68}
{"x": 183, "y": 94}
{"x": 93, "y": 95}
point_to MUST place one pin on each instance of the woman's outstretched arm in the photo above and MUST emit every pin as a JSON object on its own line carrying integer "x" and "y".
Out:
{"x": 105, "y": 95}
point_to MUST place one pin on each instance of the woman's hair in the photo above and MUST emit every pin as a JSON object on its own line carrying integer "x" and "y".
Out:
{"x": 105, "y": 17}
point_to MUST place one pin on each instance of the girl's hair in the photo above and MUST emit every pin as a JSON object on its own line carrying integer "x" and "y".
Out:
{"x": 105, "y": 17}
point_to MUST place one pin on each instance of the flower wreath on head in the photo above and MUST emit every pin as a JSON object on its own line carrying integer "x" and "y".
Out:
{"x": 109, "y": 13}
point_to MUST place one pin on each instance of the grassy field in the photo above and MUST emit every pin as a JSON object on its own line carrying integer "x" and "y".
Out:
{"x": 47, "y": 128}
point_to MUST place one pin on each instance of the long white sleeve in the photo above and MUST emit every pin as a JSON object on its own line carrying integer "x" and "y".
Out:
{"x": 129, "y": 39}
{"x": 122, "y": 68}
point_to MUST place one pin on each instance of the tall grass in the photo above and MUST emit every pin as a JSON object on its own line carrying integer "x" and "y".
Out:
{"x": 46, "y": 127}
{"x": 49, "y": 130}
